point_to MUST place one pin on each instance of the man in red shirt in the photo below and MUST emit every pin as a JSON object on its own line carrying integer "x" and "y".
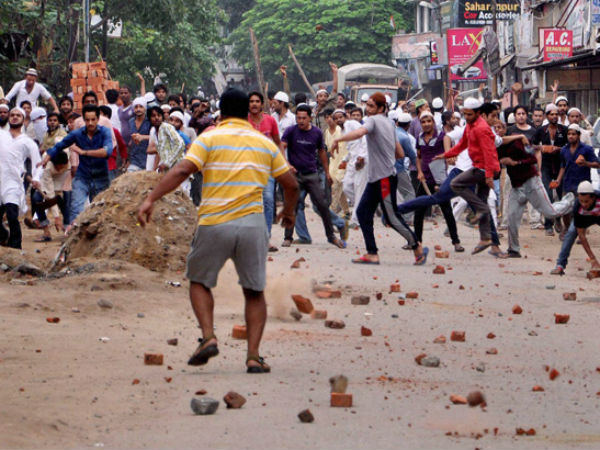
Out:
{"x": 267, "y": 125}
{"x": 479, "y": 139}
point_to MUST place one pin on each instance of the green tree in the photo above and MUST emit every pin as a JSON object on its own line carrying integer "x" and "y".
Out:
{"x": 328, "y": 30}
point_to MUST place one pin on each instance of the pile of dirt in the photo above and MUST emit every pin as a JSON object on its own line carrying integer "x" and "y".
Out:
{"x": 108, "y": 228}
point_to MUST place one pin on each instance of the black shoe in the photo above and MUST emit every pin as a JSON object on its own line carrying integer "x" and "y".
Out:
{"x": 513, "y": 254}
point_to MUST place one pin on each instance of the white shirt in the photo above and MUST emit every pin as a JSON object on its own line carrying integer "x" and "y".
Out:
{"x": 114, "y": 118}
{"x": 284, "y": 122}
{"x": 463, "y": 161}
{"x": 13, "y": 153}
{"x": 21, "y": 93}
{"x": 356, "y": 148}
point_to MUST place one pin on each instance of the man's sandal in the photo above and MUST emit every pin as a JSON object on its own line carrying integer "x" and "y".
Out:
{"x": 202, "y": 355}
{"x": 262, "y": 368}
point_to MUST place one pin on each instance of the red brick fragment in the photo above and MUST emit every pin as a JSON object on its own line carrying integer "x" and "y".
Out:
{"x": 570, "y": 296}
{"x": 341, "y": 400}
{"x": 318, "y": 314}
{"x": 135, "y": 381}
{"x": 239, "y": 332}
{"x": 537, "y": 388}
{"x": 401, "y": 302}
{"x": 395, "y": 287}
{"x": 233, "y": 400}
{"x": 491, "y": 336}
{"x": 492, "y": 351}
{"x": 52, "y": 319}
{"x": 440, "y": 340}
{"x": 458, "y": 399}
{"x": 475, "y": 398}
{"x": 437, "y": 247}
{"x": 419, "y": 357}
{"x": 168, "y": 379}
{"x": 442, "y": 255}
{"x": 554, "y": 374}
{"x": 323, "y": 294}
{"x": 378, "y": 295}
{"x": 364, "y": 331}
{"x": 335, "y": 324}
{"x": 517, "y": 309}
{"x": 457, "y": 336}
{"x": 439, "y": 270}
{"x": 412, "y": 294}
{"x": 561, "y": 318}
{"x": 153, "y": 359}
{"x": 303, "y": 304}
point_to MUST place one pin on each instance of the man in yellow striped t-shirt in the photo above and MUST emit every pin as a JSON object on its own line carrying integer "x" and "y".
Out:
{"x": 236, "y": 162}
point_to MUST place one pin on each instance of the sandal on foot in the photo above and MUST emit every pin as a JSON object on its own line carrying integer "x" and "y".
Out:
{"x": 202, "y": 355}
{"x": 338, "y": 243}
{"x": 262, "y": 368}
{"x": 421, "y": 260}
{"x": 364, "y": 260}
{"x": 458, "y": 248}
{"x": 480, "y": 248}
{"x": 43, "y": 239}
{"x": 286, "y": 243}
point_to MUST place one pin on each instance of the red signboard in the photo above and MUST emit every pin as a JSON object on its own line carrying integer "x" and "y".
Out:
{"x": 558, "y": 44}
{"x": 463, "y": 43}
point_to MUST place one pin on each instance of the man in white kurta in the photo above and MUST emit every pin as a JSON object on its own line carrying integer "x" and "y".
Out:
{"x": 15, "y": 148}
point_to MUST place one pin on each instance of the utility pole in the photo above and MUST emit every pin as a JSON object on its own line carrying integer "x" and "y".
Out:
{"x": 86, "y": 24}
{"x": 495, "y": 28}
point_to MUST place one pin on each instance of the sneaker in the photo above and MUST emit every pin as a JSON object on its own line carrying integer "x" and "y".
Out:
{"x": 513, "y": 254}
{"x": 286, "y": 243}
{"x": 558, "y": 270}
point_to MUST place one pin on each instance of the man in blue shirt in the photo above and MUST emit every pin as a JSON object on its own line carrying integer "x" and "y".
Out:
{"x": 139, "y": 127}
{"x": 93, "y": 143}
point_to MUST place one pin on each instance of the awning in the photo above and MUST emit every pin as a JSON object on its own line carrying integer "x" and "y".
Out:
{"x": 506, "y": 60}
{"x": 559, "y": 62}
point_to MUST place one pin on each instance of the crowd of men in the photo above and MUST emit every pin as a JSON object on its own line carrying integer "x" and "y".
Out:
{"x": 238, "y": 156}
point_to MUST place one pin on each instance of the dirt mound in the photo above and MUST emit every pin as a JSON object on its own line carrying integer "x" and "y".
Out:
{"x": 108, "y": 228}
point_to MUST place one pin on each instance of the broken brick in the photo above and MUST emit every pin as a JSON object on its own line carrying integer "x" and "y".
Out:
{"x": 491, "y": 351}
{"x": 201, "y": 392}
{"x": 153, "y": 359}
{"x": 491, "y": 336}
{"x": 341, "y": 400}
{"x": 457, "y": 336}
{"x": 335, "y": 324}
{"x": 306, "y": 416}
{"x": 233, "y": 400}
{"x": 442, "y": 255}
{"x": 318, "y": 314}
{"x": 412, "y": 295}
{"x": 553, "y": 374}
{"x": 458, "y": 399}
{"x": 440, "y": 340}
{"x": 521, "y": 432}
{"x": 378, "y": 295}
{"x": 52, "y": 319}
{"x": 419, "y": 357}
{"x": 401, "y": 302}
{"x": 517, "y": 309}
{"x": 395, "y": 287}
{"x": 364, "y": 331}
{"x": 173, "y": 341}
{"x": 168, "y": 379}
{"x": 239, "y": 332}
{"x": 475, "y": 398}
{"x": 135, "y": 381}
{"x": 323, "y": 294}
{"x": 537, "y": 388}
{"x": 303, "y": 304}
{"x": 561, "y": 318}
{"x": 439, "y": 270}
{"x": 360, "y": 300}
{"x": 570, "y": 296}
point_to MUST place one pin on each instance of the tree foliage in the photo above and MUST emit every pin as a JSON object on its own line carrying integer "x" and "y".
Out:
{"x": 174, "y": 37}
{"x": 328, "y": 30}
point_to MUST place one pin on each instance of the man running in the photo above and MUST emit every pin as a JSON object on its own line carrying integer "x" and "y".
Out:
{"x": 231, "y": 222}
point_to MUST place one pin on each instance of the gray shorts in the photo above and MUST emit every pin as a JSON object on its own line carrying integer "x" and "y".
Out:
{"x": 244, "y": 240}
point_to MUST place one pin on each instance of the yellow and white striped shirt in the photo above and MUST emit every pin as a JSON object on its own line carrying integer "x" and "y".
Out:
{"x": 236, "y": 161}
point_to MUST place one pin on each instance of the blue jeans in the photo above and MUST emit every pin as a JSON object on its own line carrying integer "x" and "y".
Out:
{"x": 567, "y": 245}
{"x": 269, "y": 202}
{"x": 301, "y": 227}
{"x": 444, "y": 194}
{"x": 85, "y": 188}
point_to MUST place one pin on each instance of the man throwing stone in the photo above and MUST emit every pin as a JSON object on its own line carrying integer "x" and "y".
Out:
{"x": 231, "y": 221}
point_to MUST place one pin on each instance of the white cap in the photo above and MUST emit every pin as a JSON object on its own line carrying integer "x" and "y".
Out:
{"x": 4, "y": 106}
{"x": 139, "y": 101}
{"x": 585, "y": 187}
{"x": 457, "y": 115}
{"x": 404, "y": 118}
{"x": 177, "y": 115}
{"x": 511, "y": 119}
{"x": 573, "y": 109}
{"x": 341, "y": 111}
{"x": 37, "y": 113}
{"x": 19, "y": 110}
{"x": 551, "y": 107}
{"x": 437, "y": 103}
{"x": 149, "y": 97}
{"x": 322, "y": 91}
{"x": 425, "y": 114}
{"x": 388, "y": 99}
{"x": 165, "y": 107}
{"x": 364, "y": 97}
{"x": 282, "y": 97}
{"x": 472, "y": 103}
{"x": 561, "y": 98}
{"x": 31, "y": 71}
{"x": 575, "y": 127}
{"x": 393, "y": 115}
